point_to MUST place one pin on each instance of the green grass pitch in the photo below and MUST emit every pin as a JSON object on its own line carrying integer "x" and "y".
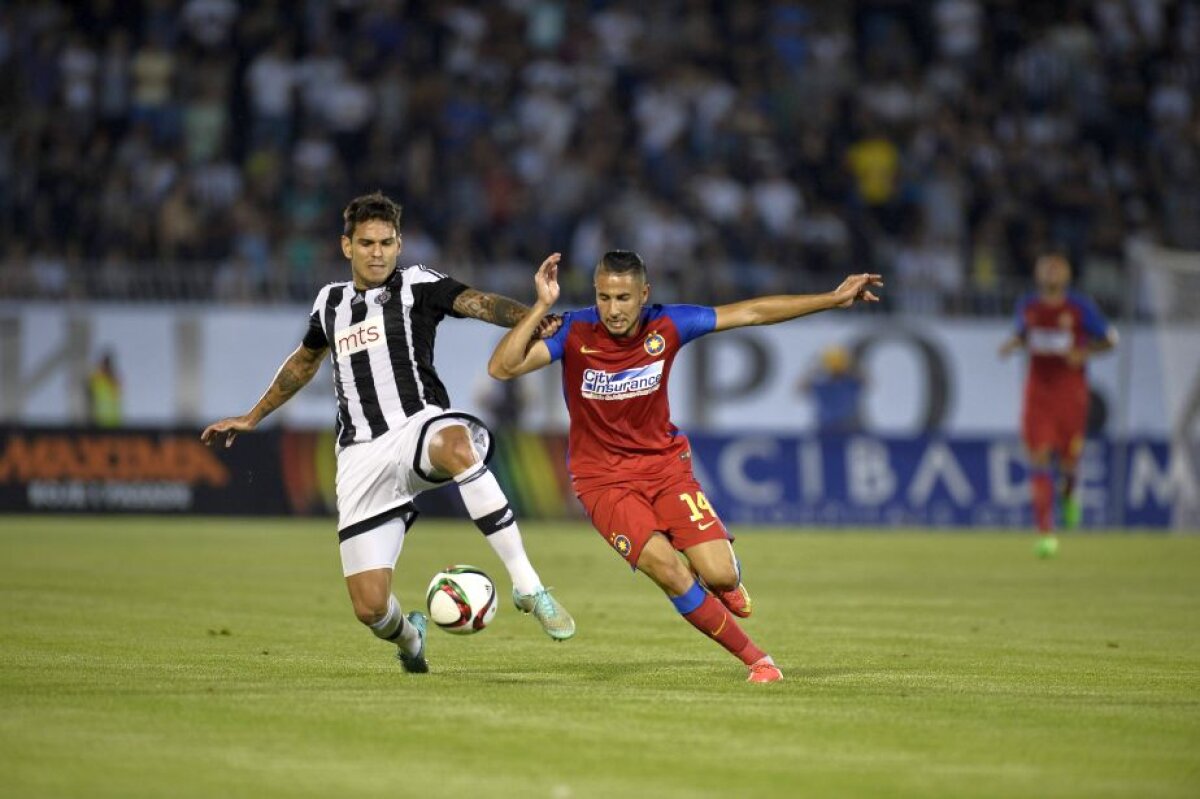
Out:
{"x": 208, "y": 658}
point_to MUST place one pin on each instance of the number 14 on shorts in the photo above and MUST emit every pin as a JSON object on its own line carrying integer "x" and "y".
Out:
{"x": 698, "y": 505}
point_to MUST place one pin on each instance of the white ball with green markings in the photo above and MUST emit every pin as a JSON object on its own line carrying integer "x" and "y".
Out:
{"x": 461, "y": 600}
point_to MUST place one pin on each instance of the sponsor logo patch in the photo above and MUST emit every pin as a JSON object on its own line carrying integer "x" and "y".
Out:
{"x": 636, "y": 382}
{"x": 1049, "y": 341}
{"x": 363, "y": 336}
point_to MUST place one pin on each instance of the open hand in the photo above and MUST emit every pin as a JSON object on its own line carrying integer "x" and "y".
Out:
{"x": 857, "y": 288}
{"x": 226, "y": 429}
{"x": 546, "y": 280}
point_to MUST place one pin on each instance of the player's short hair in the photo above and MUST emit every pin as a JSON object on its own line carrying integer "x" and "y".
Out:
{"x": 622, "y": 262}
{"x": 375, "y": 205}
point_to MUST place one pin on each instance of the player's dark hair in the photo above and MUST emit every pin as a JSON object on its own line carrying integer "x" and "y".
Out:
{"x": 376, "y": 205}
{"x": 622, "y": 262}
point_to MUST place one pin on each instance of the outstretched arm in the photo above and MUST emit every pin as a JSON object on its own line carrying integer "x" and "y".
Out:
{"x": 292, "y": 376}
{"x": 500, "y": 310}
{"x": 781, "y": 308}
{"x": 489, "y": 307}
{"x": 519, "y": 352}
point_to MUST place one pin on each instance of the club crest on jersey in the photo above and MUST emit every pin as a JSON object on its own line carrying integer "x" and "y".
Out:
{"x": 655, "y": 344}
{"x": 636, "y": 382}
{"x": 382, "y": 297}
{"x": 620, "y": 543}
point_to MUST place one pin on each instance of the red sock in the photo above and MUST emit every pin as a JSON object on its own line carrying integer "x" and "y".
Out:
{"x": 715, "y": 621}
{"x": 1043, "y": 500}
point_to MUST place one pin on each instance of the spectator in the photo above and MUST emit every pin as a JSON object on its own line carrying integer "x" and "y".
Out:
{"x": 105, "y": 406}
{"x": 835, "y": 386}
{"x": 778, "y": 139}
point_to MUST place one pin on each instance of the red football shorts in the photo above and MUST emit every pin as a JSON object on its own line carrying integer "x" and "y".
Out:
{"x": 626, "y": 515}
{"x": 1057, "y": 423}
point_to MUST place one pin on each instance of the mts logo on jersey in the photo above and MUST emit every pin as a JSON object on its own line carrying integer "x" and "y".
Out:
{"x": 598, "y": 384}
{"x": 356, "y": 338}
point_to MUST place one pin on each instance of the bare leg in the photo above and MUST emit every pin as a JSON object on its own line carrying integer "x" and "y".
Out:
{"x": 377, "y": 608}
{"x": 714, "y": 561}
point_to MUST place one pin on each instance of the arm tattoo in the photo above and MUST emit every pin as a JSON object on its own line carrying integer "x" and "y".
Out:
{"x": 292, "y": 376}
{"x": 494, "y": 308}
{"x": 291, "y": 380}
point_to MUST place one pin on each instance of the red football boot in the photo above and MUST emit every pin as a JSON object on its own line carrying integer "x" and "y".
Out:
{"x": 738, "y": 601}
{"x": 764, "y": 670}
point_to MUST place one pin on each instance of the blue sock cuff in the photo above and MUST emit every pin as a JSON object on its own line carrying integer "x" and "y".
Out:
{"x": 690, "y": 601}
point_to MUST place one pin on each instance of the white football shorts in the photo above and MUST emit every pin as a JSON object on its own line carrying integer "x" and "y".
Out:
{"x": 378, "y": 480}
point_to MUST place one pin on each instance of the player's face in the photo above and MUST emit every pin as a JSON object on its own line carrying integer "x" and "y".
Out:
{"x": 1052, "y": 273}
{"x": 619, "y": 299}
{"x": 372, "y": 250}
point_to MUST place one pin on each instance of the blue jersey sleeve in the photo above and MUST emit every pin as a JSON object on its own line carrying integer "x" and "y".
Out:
{"x": 692, "y": 321}
{"x": 1093, "y": 321}
{"x": 1019, "y": 315}
{"x": 558, "y": 342}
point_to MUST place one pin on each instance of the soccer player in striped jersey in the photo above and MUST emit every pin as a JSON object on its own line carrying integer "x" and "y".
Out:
{"x": 1060, "y": 329}
{"x": 397, "y": 434}
{"x": 631, "y": 467}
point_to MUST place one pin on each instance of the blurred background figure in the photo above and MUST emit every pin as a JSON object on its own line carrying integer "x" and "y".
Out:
{"x": 1061, "y": 330}
{"x": 835, "y": 387}
{"x": 502, "y": 403}
{"x": 104, "y": 401}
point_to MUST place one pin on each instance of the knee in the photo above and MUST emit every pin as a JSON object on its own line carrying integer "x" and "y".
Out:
{"x": 724, "y": 578}
{"x": 370, "y": 610}
{"x": 451, "y": 451}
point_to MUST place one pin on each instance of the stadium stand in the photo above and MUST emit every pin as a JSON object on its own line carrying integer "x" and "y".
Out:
{"x": 201, "y": 150}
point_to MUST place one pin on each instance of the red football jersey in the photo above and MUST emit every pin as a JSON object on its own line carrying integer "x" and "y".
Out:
{"x": 616, "y": 392}
{"x": 1050, "y": 332}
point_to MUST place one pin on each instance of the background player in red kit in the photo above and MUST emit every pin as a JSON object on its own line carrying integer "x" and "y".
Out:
{"x": 1061, "y": 329}
{"x": 630, "y": 466}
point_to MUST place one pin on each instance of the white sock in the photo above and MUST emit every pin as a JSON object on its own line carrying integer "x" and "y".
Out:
{"x": 489, "y": 508}
{"x": 508, "y": 545}
{"x": 397, "y": 629}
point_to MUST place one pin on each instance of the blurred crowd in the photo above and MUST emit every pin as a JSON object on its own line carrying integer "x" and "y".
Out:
{"x": 204, "y": 149}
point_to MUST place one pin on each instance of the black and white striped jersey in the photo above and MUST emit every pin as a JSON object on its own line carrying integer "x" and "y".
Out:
{"x": 381, "y": 347}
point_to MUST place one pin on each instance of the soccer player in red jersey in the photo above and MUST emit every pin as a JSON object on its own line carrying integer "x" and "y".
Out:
{"x": 630, "y": 466}
{"x": 1060, "y": 329}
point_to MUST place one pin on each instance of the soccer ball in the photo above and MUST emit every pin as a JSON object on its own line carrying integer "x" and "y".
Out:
{"x": 461, "y": 600}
